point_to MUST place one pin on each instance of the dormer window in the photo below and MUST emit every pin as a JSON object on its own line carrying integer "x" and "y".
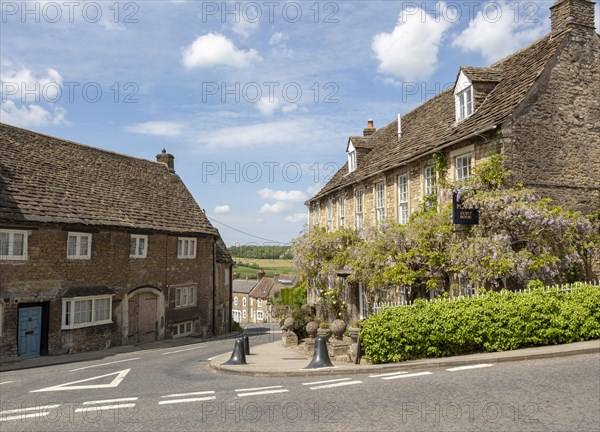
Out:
{"x": 463, "y": 94}
{"x": 352, "y": 161}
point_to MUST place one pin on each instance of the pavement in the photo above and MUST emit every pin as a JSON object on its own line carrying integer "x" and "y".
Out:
{"x": 274, "y": 360}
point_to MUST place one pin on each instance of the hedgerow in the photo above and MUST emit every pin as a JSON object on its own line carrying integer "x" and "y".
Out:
{"x": 493, "y": 321}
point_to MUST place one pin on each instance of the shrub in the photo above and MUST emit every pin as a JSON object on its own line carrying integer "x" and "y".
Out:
{"x": 495, "y": 321}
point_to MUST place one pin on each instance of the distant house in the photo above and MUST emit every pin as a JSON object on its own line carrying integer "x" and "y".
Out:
{"x": 241, "y": 299}
{"x": 539, "y": 107}
{"x": 101, "y": 249}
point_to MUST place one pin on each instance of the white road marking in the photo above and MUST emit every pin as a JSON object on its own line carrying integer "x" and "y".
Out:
{"x": 103, "y": 364}
{"x": 6, "y": 382}
{"x": 477, "y": 366}
{"x": 24, "y": 416}
{"x": 387, "y": 374}
{"x": 104, "y": 407}
{"x": 120, "y": 375}
{"x": 189, "y": 394}
{"x": 36, "y": 408}
{"x": 182, "y": 350}
{"x": 407, "y": 375}
{"x": 175, "y": 401}
{"x": 257, "y": 388}
{"x": 327, "y": 381}
{"x": 262, "y": 392}
{"x": 340, "y": 384}
{"x": 129, "y": 399}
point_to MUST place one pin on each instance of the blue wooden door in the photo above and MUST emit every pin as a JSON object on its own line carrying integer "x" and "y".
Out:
{"x": 30, "y": 326}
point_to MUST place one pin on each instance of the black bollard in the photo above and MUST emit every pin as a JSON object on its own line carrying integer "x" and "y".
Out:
{"x": 246, "y": 344}
{"x": 321, "y": 356}
{"x": 238, "y": 357}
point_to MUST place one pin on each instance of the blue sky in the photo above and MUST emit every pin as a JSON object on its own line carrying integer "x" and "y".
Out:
{"x": 256, "y": 100}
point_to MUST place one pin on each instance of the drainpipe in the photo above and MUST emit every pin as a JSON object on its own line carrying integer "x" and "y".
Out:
{"x": 214, "y": 287}
{"x": 230, "y": 308}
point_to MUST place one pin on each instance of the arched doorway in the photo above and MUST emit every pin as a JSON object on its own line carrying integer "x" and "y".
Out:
{"x": 143, "y": 315}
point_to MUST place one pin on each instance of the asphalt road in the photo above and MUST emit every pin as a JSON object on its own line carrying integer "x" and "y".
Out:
{"x": 172, "y": 389}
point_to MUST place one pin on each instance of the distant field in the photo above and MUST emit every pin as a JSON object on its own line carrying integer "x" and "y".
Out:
{"x": 269, "y": 266}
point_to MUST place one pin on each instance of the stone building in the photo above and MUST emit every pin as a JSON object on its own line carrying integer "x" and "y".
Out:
{"x": 540, "y": 107}
{"x": 241, "y": 299}
{"x": 101, "y": 249}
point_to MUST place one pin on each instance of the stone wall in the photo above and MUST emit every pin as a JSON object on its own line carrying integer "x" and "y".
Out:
{"x": 47, "y": 273}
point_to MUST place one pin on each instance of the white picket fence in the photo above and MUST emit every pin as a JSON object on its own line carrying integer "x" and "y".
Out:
{"x": 377, "y": 307}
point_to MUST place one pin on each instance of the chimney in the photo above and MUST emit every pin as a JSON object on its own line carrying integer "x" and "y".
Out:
{"x": 370, "y": 129}
{"x": 260, "y": 274}
{"x": 575, "y": 15}
{"x": 167, "y": 159}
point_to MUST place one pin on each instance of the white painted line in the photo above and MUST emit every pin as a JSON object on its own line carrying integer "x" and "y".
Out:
{"x": 387, "y": 374}
{"x": 477, "y": 366}
{"x": 213, "y": 357}
{"x": 37, "y": 408}
{"x": 104, "y": 407}
{"x": 24, "y": 416}
{"x": 189, "y": 394}
{"x": 6, "y": 382}
{"x": 175, "y": 401}
{"x": 182, "y": 350}
{"x": 407, "y": 375}
{"x": 262, "y": 392}
{"x": 340, "y": 384}
{"x": 103, "y": 364}
{"x": 120, "y": 375}
{"x": 328, "y": 381}
{"x": 258, "y": 388}
{"x": 129, "y": 399}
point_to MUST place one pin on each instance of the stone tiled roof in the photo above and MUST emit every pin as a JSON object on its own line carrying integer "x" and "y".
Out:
{"x": 243, "y": 286}
{"x": 222, "y": 252}
{"x": 49, "y": 180}
{"x": 433, "y": 124}
{"x": 361, "y": 142}
{"x": 263, "y": 288}
{"x": 482, "y": 74}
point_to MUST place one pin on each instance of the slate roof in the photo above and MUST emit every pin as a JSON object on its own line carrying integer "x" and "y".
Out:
{"x": 263, "y": 288}
{"x": 50, "y": 180}
{"x": 243, "y": 286}
{"x": 433, "y": 124}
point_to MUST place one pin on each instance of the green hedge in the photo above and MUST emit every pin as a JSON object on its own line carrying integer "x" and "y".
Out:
{"x": 491, "y": 322}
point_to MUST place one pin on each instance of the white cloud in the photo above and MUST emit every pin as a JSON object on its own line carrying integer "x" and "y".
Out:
{"x": 280, "y": 195}
{"x": 312, "y": 190}
{"x": 278, "y": 39}
{"x": 214, "y": 49}
{"x": 244, "y": 27}
{"x": 268, "y": 106}
{"x": 410, "y": 51}
{"x": 222, "y": 209}
{"x": 278, "y": 207}
{"x": 31, "y": 115}
{"x": 158, "y": 128}
{"x": 297, "y": 217}
{"x": 496, "y": 34}
{"x": 23, "y": 85}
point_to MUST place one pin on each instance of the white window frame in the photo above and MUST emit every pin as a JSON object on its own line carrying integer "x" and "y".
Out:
{"x": 352, "y": 161}
{"x": 317, "y": 214}
{"x": 70, "y": 305}
{"x": 235, "y": 301}
{"x": 186, "y": 247}
{"x": 244, "y": 314}
{"x": 329, "y": 214}
{"x": 259, "y": 303}
{"x": 244, "y": 301}
{"x": 359, "y": 208}
{"x": 462, "y": 170}
{"x": 236, "y": 315}
{"x": 403, "y": 196}
{"x": 429, "y": 181}
{"x": 379, "y": 202}
{"x": 78, "y": 238}
{"x": 464, "y": 107}
{"x": 185, "y": 296}
{"x": 259, "y": 315}
{"x": 10, "y": 256}
{"x": 183, "y": 329}
{"x": 341, "y": 210}
{"x": 134, "y": 242}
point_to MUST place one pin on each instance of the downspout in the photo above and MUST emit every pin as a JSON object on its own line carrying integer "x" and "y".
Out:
{"x": 230, "y": 308}
{"x": 214, "y": 287}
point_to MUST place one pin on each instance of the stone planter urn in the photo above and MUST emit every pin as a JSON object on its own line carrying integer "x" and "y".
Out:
{"x": 288, "y": 324}
{"x": 338, "y": 327}
{"x": 324, "y": 332}
{"x": 311, "y": 329}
